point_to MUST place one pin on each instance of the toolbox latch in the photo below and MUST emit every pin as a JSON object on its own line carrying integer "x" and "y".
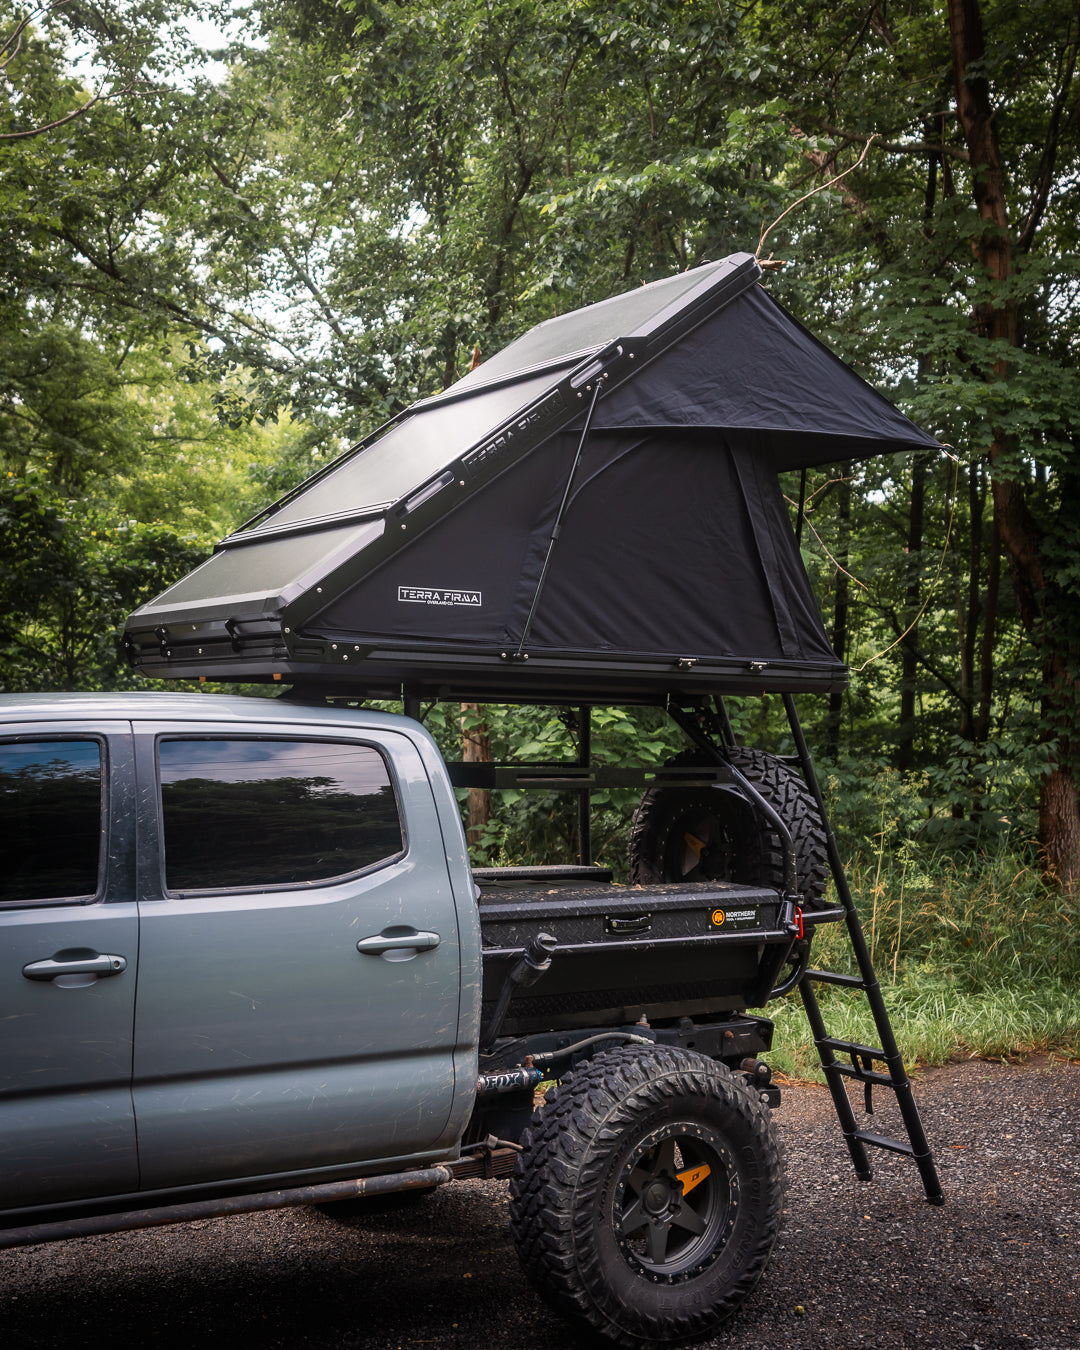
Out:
{"x": 616, "y": 924}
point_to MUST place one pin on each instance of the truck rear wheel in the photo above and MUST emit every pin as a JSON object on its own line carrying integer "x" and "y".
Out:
{"x": 648, "y": 1195}
{"x": 715, "y": 834}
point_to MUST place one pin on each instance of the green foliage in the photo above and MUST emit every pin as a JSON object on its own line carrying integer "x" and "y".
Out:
{"x": 69, "y": 576}
{"x": 512, "y": 160}
{"x": 534, "y": 826}
{"x": 978, "y": 796}
{"x": 114, "y": 482}
{"x": 977, "y": 955}
{"x": 369, "y": 194}
{"x": 935, "y": 1020}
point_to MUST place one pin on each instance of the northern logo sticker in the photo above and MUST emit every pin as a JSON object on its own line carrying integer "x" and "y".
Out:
{"x": 735, "y": 918}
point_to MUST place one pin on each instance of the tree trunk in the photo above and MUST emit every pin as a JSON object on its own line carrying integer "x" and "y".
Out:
{"x": 476, "y": 749}
{"x": 1059, "y": 815}
{"x": 905, "y": 751}
{"x": 969, "y": 627}
{"x": 840, "y": 617}
{"x": 986, "y": 658}
{"x": 1059, "y": 827}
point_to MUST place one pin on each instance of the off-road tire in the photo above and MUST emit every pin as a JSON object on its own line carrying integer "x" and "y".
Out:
{"x": 625, "y": 1136}
{"x": 739, "y": 843}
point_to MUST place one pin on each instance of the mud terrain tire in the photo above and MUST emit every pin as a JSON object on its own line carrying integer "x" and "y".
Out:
{"x": 648, "y": 1196}
{"x": 714, "y": 833}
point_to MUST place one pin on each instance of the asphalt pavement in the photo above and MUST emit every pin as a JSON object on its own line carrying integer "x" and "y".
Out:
{"x": 859, "y": 1264}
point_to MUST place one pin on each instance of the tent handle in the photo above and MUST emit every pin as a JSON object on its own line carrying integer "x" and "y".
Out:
{"x": 519, "y": 654}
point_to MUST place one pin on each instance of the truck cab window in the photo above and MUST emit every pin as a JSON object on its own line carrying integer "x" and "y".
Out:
{"x": 51, "y": 827}
{"x": 244, "y": 812}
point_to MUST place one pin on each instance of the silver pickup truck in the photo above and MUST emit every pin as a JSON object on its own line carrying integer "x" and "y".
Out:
{"x": 245, "y": 963}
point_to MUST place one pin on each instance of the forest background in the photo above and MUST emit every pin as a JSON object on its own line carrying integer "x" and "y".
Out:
{"x": 215, "y": 274}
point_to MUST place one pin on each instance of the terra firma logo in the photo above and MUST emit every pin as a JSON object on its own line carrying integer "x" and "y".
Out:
{"x": 442, "y": 595}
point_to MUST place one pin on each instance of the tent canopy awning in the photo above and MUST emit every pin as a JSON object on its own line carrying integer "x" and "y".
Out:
{"x": 644, "y": 434}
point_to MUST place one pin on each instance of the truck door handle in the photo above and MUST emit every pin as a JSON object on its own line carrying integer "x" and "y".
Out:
{"x": 92, "y": 964}
{"x": 397, "y": 943}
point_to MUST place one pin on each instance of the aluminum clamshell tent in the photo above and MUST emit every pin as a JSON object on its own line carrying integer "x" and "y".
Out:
{"x": 592, "y": 514}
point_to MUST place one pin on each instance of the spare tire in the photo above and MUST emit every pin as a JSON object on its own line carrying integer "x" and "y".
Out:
{"x": 716, "y": 834}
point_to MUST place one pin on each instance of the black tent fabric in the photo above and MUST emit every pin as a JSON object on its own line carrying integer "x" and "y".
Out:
{"x": 752, "y": 368}
{"x": 594, "y": 513}
{"x": 679, "y": 545}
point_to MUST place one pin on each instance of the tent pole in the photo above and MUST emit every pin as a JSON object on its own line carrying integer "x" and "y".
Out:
{"x": 559, "y": 518}
{"x": 802, "y": 508}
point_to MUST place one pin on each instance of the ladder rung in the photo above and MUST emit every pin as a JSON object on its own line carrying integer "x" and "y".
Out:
{"x": 831, "y": 977}
{"x": 851, "y": 1048}
{"x": 863, "y": 1075}
{"x": 883, "y": 1141}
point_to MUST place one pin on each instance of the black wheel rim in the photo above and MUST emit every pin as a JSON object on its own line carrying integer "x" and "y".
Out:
{"x": 676, "y": 1202}
{"x": 699, "y": 846}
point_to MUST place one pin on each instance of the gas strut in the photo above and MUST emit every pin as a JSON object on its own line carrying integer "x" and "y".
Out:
{"x": 535, "y": 959}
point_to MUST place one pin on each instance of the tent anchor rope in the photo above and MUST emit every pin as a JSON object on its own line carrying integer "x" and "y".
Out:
{"x": 519, "y": 655}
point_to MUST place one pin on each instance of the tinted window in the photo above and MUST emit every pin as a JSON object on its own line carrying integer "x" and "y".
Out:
{"x": 272, "y": 813}
{"x": 51, "y": 824}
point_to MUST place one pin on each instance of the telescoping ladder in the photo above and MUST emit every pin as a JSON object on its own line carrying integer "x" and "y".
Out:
{"x": 861, "y": 1059}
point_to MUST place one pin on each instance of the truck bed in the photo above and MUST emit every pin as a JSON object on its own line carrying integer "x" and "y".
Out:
{"x": 625, "y": 952}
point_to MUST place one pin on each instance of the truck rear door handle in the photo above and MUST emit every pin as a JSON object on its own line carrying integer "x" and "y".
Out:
{"x": 92, "y": 964}
{"x": 397, "y": 943}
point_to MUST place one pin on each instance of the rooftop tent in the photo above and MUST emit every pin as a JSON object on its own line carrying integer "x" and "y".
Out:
{"x": 593, "y": 513}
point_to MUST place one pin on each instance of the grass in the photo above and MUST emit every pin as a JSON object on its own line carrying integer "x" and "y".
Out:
{"x": 976, "y": 957}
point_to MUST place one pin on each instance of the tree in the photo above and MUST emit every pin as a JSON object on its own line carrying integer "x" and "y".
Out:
{"x": 119, "y": 464}
{"x": 512, "y": 160}
{"x": 1048, "y": 607}
{"x": 951, "y": 253}
{"x": 68, "y": 578}
{"x": 377, "y": 191}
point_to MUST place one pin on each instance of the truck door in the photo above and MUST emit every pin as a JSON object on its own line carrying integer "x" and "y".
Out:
{"x": 68, "y": 952}
{"x": 299, "y": 967}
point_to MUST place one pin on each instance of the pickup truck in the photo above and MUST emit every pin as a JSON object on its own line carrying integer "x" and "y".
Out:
{"x": 246, "y": 964}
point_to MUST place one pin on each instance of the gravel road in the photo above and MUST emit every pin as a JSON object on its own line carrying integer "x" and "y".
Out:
{"x": 859, "y": 1265}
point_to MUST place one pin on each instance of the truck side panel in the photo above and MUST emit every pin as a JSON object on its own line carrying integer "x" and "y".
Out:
{"x": 265, "y": 1039}
{"x": 67, "y": 900}
{"x": 466, "y": 894}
